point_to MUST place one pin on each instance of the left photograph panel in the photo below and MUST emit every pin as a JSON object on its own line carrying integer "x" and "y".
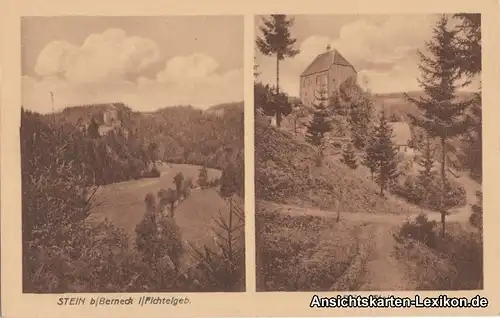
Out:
{"x": 132, "y": 154}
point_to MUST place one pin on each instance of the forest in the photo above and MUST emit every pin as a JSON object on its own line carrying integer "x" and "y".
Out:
{"x": 65, "y": 160}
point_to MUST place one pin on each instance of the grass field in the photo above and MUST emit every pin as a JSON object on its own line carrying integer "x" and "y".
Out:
{"x": 123, "y": 203}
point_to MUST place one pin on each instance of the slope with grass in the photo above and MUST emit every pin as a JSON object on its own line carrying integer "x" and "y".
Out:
{"x": 325, "y": 221}
{"x": 286, "y": 172}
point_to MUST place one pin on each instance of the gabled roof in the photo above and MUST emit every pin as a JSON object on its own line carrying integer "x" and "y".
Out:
{"x": 323, "y": 62}
{"x": 401, "y": 133}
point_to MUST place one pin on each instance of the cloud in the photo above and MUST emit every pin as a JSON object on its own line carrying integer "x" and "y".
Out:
{"x": 97, "y": 72}
{"x": 383, "y": 53}
{"x": 110, "y": 55}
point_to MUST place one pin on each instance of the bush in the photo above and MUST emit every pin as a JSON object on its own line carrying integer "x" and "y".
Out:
{"x": 430, "y": 197}
{"x": 420, "y": 229}
{"x": 291, "y": 256}
{"x": 153, "y": 173}
{"x": 223, "y": 269}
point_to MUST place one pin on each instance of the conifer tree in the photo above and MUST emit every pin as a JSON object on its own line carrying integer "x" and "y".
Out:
{"x": 443, "y": 117}
{"x": 468, "y": 59}
{"x": 426, "y": 175}
{"x": 381, "y": 154}
{"x": 277, "y": 40}
{"x": 360, "y": 121}
{"x": 319, "y": 124}
{"x": 349, "y": 156}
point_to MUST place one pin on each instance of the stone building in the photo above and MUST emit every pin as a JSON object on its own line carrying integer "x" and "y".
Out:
{"x": 328, "y": 70}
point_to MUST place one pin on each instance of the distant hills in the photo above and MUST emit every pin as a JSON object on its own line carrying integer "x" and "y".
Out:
{"x": 398, "y": 106}
{"x": 183, "y": 134}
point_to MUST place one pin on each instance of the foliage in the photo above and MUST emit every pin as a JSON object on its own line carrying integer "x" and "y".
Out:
{"x": 381, "y": 154}
{"x": 154, "y": 173}
{"x": 428, "y": 193}
{"x": 62, "y": 165}
{"x": 178, "y": 180}
{"x": 285, "y": 172}
{"x": 272, "y": 102}
{"x": 359, "y": 112}
{"x": 468, "y": 60}
{"x": 468, "y": 44}
{"x": 203, "y": 177}
{"x": 349, "y": 156}
{"x": 276, "y": 40}
{"x": 443, "y": 116}
{"x": 319, "y": 124}
{"x": 454, "y": 262}
{"x": 420, "y": 229}
{"x": 292, "y": 257}
{"x": 224, "y": 268}
{"x": 158, "y": 236}
{"x": 476, "y": 218}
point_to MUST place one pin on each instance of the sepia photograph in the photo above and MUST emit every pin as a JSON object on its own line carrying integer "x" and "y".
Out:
{"x": 368, "y": 152}
{"x": 132, "y": 154}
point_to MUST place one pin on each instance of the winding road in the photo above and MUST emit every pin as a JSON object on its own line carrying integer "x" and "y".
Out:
{"x": 382, "y": 270}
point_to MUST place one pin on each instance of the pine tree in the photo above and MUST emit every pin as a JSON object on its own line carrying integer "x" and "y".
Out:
{"x": 443, "y": 117}
{"x": 468, "y": 59}
{"x": 426, "y": 175}
{"x": 319, "y": 124}
{"x": 360, "y": 121}
{"x": 277, "y": 41}
{"x": 381, "y": 154}
{"x": 468, "y": 44}
{"x": 349, "y": 156}
{"x": 368, "y": 159}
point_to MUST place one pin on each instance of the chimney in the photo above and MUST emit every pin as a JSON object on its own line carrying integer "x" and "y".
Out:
{"x": 328, "y": 47}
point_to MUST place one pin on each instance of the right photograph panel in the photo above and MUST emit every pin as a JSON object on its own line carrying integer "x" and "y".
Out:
{"x": 368, "y": 159}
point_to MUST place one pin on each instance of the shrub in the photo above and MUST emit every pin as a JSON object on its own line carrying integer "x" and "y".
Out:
{"x": 223, "y": 269}
{"x": 158, "y": 236}
{"x": 153, "y": 173}
{"x": 430, "y": 197}
{"x": 420, "y": 229}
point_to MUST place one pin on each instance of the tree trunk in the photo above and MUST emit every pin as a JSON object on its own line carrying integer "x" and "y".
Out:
{"x": 381, "y": 180}
{"x": 295, "y": 126}
{"x": 443, "y": 185}
{"x": 278, "y": 113}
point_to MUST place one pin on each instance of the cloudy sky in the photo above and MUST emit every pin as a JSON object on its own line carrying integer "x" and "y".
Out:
{"x": 145, "y": 62}
{"x": 382, "y": 48}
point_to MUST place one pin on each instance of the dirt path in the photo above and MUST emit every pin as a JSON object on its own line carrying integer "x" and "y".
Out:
{"x": 382, "y": 270}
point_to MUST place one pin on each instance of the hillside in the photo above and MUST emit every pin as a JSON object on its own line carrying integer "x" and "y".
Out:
{"x": 181, "y": 134}
{"x": 397, "y": 107}
{"x": 286, "y": 172}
